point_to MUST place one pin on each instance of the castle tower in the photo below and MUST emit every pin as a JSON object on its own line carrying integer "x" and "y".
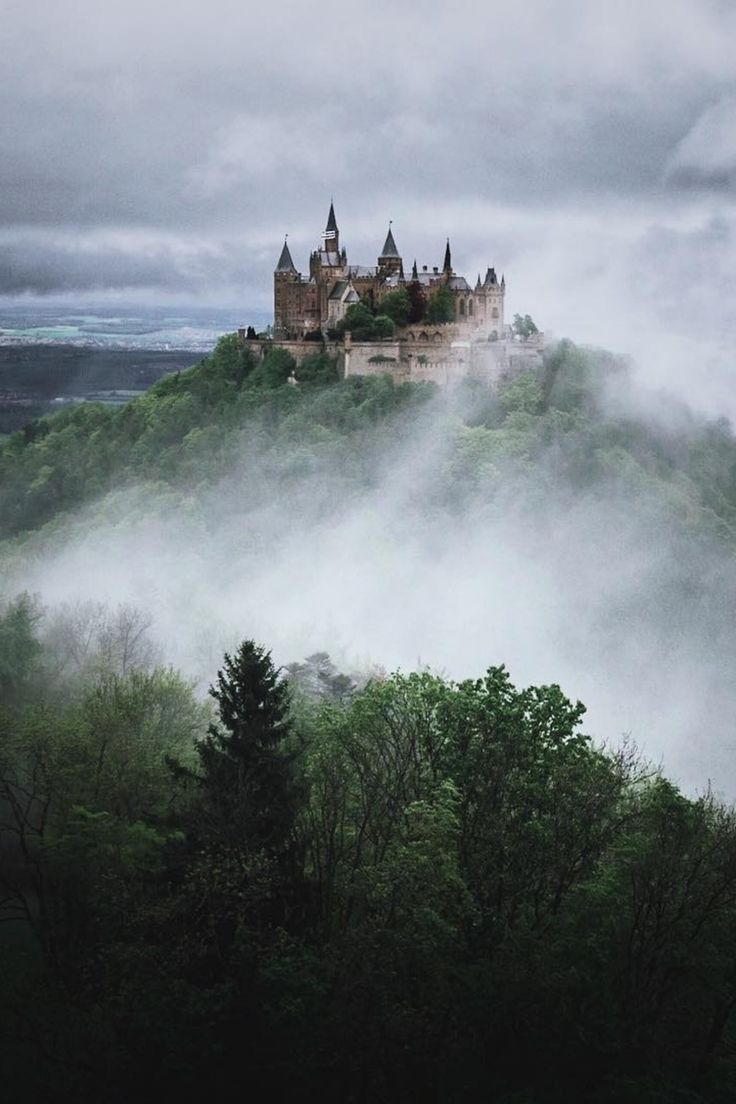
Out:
{"x": 492, "y": 295}
{"x": 286, "y": 294}
{"x": 389, "y": 262}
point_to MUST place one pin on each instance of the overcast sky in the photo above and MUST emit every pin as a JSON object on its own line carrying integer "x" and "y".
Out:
{"x": 588, "y": 149}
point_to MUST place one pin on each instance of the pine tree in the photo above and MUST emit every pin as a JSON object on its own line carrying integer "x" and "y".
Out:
{"x": 245, "y": 769}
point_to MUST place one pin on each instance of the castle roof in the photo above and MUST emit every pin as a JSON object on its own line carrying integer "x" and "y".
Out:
{"x": 447, "y": 263}
{"x": 331, "y": 227}
{"x": 389, "y": 247}
{"x": 458, "y": 283}
{"x": 285, "y": 262}
{"x": 339, "y": 289}
{"x": 491, "y": 280}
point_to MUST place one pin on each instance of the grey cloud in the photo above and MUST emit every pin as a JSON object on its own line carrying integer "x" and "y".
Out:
{"x": 65, "y": 261}
{"x": 224, "y": 126}
{"x": 706, "y": 156}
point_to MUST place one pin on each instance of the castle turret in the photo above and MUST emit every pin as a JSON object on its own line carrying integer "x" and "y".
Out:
{"x": 492, "y": 296}
{"x": 389, "y": 261}
{"x": 287, "y": 299}
{"x": 447, "y": 263}
{"x": 285, "y": 263}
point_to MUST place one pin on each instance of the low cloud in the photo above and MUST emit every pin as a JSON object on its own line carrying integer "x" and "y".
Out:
{"x": 706, "y": 156}
{"x": 601, "y": 594}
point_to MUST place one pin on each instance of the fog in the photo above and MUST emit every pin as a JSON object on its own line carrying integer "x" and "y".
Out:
{"x": 587, "y": 151}
{"x": 605, "y": 594}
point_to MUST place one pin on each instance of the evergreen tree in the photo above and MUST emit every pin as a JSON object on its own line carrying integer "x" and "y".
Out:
{"x": 246, "y": 772}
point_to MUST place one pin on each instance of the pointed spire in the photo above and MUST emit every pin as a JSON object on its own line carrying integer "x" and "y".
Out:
{"x": 503, "y": 280}
{"x": 490, "y": 280}
{"x": 389, "y": 247}
{"x": 447, "y": 265}
{"x": 478, "y": 284}
{"x": 285, "y": 262}
{"x": 331, "y": 227}
{"x": 414, "y": 273}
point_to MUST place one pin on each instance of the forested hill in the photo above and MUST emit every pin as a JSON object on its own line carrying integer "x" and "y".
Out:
{"x": 351, "y": 886}
{"x": 565, "y": 424}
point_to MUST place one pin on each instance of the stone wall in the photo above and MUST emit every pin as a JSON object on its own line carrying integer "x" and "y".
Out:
{"x": 444, "y": 362}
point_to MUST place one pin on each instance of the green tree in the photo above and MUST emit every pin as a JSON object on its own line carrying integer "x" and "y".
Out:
{"x": 19, "y": 650}
{"x": 440, "y": 307}
{"x": 397, "y": 306}
{"x": 245, "y": 769}
{"x": 524, "y": 327}
{"x": 319, "y": 368}
{"x": 274, "y": 370}
{"x": 363, "y": 325}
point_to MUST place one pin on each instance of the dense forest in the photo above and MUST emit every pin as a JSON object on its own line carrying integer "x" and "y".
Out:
{"x": 353, "y": 885}
{"x": 183, "y": 433}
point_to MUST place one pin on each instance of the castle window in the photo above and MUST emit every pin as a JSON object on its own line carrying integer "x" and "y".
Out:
{"x": 462, "y": 306}
{"x": 470, "y": 306}
{"x": 494, "y": 312}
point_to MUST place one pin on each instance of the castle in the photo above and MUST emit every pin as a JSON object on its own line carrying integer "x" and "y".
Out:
{"x": 319, "y": 303}
{"x": 467, "y": 336}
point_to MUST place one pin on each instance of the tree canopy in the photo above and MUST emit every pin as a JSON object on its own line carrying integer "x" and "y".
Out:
{"x": 412, "y": 888}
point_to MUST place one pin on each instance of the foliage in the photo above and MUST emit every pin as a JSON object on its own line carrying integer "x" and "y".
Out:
{"x": 19, "y": 649}
{"x": 524, "y": 327}
{"x": 245, "y": 776}
{"x": 320, "y": 369}
{"x": 417, "y": 302}
{"x": 363, "y": 325}
{"x": 396, "y": 305}
{"x": 440, "y": 307}
{"x": 461, "y": 873}
{"x": 409, "y": 888}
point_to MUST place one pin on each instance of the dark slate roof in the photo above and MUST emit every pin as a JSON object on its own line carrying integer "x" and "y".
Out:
{"x": 459, "y": 283}
{"x": 285, "y": 262}
{"x": 331, "y": 221}
{"x": 491, "y": 279}
{"x": 339, "y": 289}
{"x": 389, "y": 248}
{"x": 447, "y": 263}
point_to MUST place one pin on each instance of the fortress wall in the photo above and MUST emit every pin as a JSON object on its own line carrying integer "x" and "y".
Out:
{"x": 360, "y": 359}
{"x": 442, "y": 363}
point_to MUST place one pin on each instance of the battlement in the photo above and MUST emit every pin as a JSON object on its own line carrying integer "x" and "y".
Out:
{"x": 444, "y": 355}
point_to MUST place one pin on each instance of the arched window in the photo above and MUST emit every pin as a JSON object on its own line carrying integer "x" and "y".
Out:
{"x": 462, "y": 306}
{"x": 423, "y": 336}
{"x": 494, "y": 312}
{"x": 470, "y": 307}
